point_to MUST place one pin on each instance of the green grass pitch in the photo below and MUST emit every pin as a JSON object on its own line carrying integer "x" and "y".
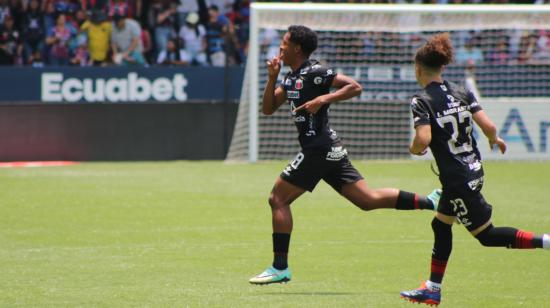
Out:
{"x": 178, "y": 234}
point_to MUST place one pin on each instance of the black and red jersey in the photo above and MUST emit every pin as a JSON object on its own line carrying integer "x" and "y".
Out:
{"x": 306, "y": 83}
{"x": 448, "y": 109}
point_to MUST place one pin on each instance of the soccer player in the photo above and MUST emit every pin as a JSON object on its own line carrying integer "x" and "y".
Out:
{"x": 307, "y": 90}
{"x": 443, "y": 116}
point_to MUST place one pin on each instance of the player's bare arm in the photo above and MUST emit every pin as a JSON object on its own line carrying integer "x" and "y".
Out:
{"x": 273, "y": 97}
{"x": 421, "y": 140}
{"x": 489, "y": 130}
{"x": 347, "y": 88}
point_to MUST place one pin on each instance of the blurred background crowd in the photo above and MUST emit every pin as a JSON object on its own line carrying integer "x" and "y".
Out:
{"x": 195, "y": 32}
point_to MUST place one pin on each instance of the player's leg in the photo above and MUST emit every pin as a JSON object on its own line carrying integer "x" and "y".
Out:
{"x": 301, "y": 175}
{"x": 282, "y": 195}
{"x": 347, "y": 181}
{"x": 368, "y": 199}
{"x": 509, "y": 237}
{"x": 430, "y": 291}
{"x": 475, "y": 215}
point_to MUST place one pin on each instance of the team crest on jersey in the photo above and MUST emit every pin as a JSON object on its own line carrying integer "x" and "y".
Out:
{"x": 299, "y": 84}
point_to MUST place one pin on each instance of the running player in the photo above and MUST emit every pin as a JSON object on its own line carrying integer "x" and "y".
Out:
{"x": 307, "y": 90}
{"x": 443, "y": 115}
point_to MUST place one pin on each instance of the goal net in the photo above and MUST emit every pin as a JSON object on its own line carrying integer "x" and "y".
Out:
{"x": 503, "y": 50}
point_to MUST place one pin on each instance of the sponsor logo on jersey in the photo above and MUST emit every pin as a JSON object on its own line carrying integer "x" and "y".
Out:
{"x": 476, "y": 184}
{"x": 299, "y": 119}
{"x": 304, "y": 71}
{"x": 329, "y": 72}
{"x": 299, "y": 84}
{"x": 293, "y": 94}
{"x": 317, "y": 80}
{"x": 443, "y": 87}
{"x": 337, "y": 153}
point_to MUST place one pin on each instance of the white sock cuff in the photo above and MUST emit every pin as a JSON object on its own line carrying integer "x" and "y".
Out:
{"x": 433, "y": 286}
{"x": 546, "y": 241}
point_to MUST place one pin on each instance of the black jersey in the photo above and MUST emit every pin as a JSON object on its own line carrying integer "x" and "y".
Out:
{"x": 306, "y": 83}
{"x": 448, "y": 109}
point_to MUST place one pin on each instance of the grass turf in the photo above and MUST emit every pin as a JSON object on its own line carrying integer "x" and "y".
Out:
{"x": 192, "y": 233}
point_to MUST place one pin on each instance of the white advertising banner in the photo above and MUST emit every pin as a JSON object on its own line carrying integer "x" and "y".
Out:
{"x": 523, "y": 123}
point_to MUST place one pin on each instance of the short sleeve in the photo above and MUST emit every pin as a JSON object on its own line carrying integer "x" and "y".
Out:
{"x": 420, "y": 113}
{"x": 474, "y": 104}
{"x": 322, "y": 76}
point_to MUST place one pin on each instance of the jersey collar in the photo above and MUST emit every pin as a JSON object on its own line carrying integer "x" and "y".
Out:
{"x": 308, "y": 62}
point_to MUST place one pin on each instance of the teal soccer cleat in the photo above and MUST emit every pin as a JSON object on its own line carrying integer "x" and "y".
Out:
{"x": 434, "y": 197}
{"x": 271, "y": 275}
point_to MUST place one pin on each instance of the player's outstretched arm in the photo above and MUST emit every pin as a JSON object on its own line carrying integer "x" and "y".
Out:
{"x": 273, "y": 97}
{"x": 489, "y": 130}
{"x": 421, "y": 141}
{"x": 347, "y": 88}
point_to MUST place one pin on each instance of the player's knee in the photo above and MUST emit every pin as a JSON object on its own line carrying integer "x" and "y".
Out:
{"x": 485, "y": 237}
{"x": 275, "y": 202}
{"x": 440, "y": 228}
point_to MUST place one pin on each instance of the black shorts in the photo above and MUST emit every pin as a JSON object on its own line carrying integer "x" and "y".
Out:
{"x": 307, "y": 169}
{"x": 468, "y": 205}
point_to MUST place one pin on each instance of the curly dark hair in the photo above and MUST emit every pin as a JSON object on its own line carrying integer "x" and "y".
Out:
{"x": 304, "y": 37}
{"x": 438, "y": 51}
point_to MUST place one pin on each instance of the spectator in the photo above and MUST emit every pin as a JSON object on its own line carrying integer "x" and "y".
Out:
{"x": 80, "y": 17}
{"x": 542, "y": 54}
{"x": 185, "y": 8}
{"x": 33, "y": 33}
{"x": 528, "y": 47}
{"x": 147, "y": 44}
{"x": 17, "y": 12}
{"x": 89, "y": 5}
{"x": 99, "y": 31}
{"x": 119, "y": 7}
{"x": 36, "y": 59}
{"x": 193, "y": 36}
{"x": 4, "y": 10}
{"x": 81, "y": 56}
{"x": 6, "y": 57}
{"x": 469, "y": 53}
{"x": 58, "y": 39}
{"x": 224, "y": 6}
{"x": 131, "y": 8}
{"x": 12, "y": 40}
{"x": 217, "y": 31}
{"x": 163, "y": 19}
{"x": 66, "y": 7}
{"x": 173, "y": 54}
{"x": 500, "y": 54}
{"x": 239, "y": 17}
{"x": 126, "y": 41}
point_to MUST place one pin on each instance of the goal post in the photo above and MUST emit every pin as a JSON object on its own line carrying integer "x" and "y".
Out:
{"x": 375, "y": 44}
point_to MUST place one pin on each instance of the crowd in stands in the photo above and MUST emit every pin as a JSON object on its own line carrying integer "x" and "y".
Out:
{"x": 123, "y": 32}
{"x": 194, "y": 32}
